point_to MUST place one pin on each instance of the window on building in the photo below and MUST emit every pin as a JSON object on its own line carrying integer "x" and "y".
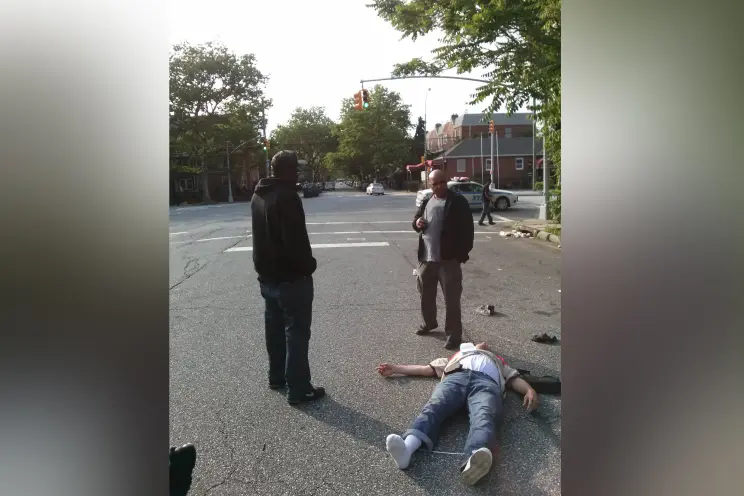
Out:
{"x": 519, "y": 163}
{"x": 507, "y": 132}
{"x": 187, "y": 184}
{"x": 488, "y": 164}
{"x": 460, "y": 165}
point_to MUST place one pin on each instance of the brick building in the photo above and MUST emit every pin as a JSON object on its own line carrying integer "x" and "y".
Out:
{"x": 456, "y": 145}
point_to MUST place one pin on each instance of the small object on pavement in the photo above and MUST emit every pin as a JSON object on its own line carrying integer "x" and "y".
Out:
{"x": 544, "y": 339}
{"x": 415, "y": 273}
{"x": 486, "y": 310}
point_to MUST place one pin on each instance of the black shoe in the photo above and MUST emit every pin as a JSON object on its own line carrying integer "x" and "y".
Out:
{"x": 181, "y": 462}
{"x": 424, "y": 329}
{"x": 491, "y": 223}
{"x": 277, "y": 385}
{"x": 481, "y": 224}
{"x": 452, "y": 344}
{"x": 315, "y": 393}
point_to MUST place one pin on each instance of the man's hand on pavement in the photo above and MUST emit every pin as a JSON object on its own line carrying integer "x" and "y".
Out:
{"x": 531, "y": 401}
{"x": 385, "y": 369}
{"x": 421, "y": 223}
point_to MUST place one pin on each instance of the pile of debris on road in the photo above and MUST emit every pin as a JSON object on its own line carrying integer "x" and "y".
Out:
{"x": 515, "y": 233}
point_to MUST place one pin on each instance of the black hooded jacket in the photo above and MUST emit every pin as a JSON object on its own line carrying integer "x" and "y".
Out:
{"x": 281, "y": 247}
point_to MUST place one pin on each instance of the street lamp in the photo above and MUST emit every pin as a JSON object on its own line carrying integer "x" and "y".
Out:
{"x": 426, "y": 130}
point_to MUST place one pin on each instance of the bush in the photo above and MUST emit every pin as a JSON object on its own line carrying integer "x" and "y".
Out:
{"x": 538, "y": 186}
{"x": 554, "y": 206}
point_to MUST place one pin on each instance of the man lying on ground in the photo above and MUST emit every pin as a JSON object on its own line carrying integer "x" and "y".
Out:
{"x": 474, "y": 377}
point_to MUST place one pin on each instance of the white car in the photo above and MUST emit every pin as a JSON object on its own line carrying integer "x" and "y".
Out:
{"x": 473, "y": 193}
{"x": 375, "y": 189}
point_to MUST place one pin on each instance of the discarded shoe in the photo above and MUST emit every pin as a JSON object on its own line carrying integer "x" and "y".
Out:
{"x": 544, "y": 339}
{"x": 487, "y": 310}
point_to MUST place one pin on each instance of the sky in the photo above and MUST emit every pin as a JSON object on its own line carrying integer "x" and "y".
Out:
{"x": 315, "y": 53}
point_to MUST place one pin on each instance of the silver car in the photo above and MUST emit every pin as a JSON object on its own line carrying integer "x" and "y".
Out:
{"x": 473, "y": 193}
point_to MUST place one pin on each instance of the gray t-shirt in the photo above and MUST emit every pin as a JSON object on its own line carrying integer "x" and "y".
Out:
{"x": 432, "y": 236}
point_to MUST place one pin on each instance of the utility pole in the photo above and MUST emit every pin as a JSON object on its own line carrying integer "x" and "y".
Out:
{"x": 543, "y": 215}
{"x": 534, "y": 126}
{"x": 263, "y": 122}
{"x": 492, "y": 162}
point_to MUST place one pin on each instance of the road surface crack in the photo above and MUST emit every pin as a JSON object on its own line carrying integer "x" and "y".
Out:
{"x": 192, "y": 267}
{"x": 222, "y": 429}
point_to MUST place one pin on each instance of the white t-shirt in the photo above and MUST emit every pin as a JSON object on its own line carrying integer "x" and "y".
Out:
{"x": 480, "y": 363}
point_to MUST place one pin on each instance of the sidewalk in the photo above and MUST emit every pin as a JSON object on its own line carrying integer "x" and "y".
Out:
{"x": 541, "y": 229}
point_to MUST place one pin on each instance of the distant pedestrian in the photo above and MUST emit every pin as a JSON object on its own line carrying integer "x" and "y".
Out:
{"x": 486, "y": 198}
{"x": 285, "y": 265}
{"x": 446, "y": 237}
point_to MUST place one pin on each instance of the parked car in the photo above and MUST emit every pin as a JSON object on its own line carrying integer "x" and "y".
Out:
{"x": 501, "y": 199}
{"x": 375, "y": 189}
{"x": 310, "y": 190}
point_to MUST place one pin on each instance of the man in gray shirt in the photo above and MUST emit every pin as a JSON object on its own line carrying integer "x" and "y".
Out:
{"x": 445, "y": 224}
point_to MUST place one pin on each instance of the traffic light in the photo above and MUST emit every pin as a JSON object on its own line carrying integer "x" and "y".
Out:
{"x": 365, "y": 98}
{"x": 267, "y": 145}
{"x": 358, "y": 100}
{"x": 490, "y": 127}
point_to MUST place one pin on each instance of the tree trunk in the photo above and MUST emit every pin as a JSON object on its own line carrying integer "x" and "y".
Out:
{"x": 205, "y": 181}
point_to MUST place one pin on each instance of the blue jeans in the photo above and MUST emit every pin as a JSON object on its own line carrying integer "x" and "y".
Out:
{"x": 288, "y": 316}
{"x": 479, "y": 392}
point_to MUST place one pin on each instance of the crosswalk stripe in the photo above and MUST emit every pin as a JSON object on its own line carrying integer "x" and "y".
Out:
{"x": 323, "y": 245}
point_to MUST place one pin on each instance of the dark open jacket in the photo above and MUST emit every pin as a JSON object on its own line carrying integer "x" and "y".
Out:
{"x": 457, "y": 232}
{"x": 281, "y": 246}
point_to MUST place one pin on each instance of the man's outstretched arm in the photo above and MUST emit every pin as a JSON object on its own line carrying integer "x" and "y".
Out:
{"x": 531, "y": 401}
{"x": 388, "y": 369}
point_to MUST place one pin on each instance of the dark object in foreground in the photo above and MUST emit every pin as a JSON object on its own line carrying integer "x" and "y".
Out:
{"x": 181, "y": 462}
{"x": 544, "y": 339}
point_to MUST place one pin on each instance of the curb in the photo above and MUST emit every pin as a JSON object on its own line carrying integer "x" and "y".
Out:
{"x": 539, "y": 234}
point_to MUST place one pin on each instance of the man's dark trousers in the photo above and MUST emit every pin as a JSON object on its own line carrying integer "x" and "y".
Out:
{"x": 288, "y": 314}
{"x": 486, "y": 211}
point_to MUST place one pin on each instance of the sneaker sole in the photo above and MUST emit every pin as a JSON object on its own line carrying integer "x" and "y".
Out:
{"x": 480, "y": 465}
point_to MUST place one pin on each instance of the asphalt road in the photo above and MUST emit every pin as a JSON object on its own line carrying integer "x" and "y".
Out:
{"x": 366, "y": 310}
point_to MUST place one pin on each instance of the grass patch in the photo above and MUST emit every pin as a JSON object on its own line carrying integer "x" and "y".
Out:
{"x": 554, "y": 230}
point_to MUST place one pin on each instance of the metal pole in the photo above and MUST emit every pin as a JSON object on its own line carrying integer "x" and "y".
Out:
{"x": 229, "y": 180}
{"x": 543, "y": 215}
{"x": 483, "y": 162}
{"x": 263, "y": 122}
{"x": 533, "y": 143}
{"x": 492, "y": 156}
{"x": 498, "y": 168}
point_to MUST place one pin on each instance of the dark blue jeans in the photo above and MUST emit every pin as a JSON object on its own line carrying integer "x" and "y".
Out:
{"x": 477, "y": 391}
{"x": 288, "y": 315}
{"x": 486, "y": 211}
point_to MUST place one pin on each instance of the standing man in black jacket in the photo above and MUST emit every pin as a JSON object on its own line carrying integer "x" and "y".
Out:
{"x": 284, "y": 262}
{"x": 445, "y": 224}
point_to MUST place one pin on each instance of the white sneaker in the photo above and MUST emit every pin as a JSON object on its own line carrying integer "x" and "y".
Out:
{"x": 478, "y": 465}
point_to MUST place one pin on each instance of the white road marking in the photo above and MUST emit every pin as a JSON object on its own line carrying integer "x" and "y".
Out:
{"x": 323, "y": 245}
{"x": 182, "y": 232}
{"x": 212, "y": 239}
{"x": 356, "y": 239}
{"x": 335, "y": 223}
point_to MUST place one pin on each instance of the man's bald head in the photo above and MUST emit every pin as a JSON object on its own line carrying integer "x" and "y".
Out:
{"x": 438, "y": 182}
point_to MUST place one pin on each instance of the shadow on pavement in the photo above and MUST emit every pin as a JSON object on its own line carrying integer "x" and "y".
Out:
{"x": 434, "y": 474}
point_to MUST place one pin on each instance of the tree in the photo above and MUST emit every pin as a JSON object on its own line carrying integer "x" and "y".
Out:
{"x": 517, "y": 44}
{"x": 215, "y": 96}
{"x": 419, "y": 140}
{"x": 372, "y": 141}
{"x": 310, "y": 133}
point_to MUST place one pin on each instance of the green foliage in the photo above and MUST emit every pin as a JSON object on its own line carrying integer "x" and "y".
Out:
{"x": 538, "y": 186}
{"x": 554, "y": 205}
{"x": 310, "y": 133}
{"x": 215, "y": 96}
{"x": 516, "y": 43}
{"x": 373, "y": 142}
